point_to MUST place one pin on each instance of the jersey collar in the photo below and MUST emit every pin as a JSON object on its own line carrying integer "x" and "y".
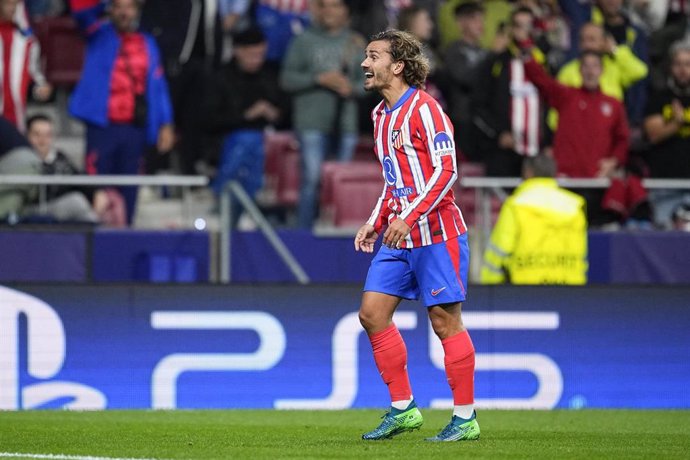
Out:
{"x": 402, "y": 99}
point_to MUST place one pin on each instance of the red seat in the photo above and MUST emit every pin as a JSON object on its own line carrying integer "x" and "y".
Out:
{"x": 354, "y": 200}
{"x": 289, "y": 179}
{"x": 63, "y": 49}
{"x": 361, "y": 181}
{"x": 278, "y": 146}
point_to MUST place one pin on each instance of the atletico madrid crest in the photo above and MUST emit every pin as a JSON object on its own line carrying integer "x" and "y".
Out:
{"x": 396, "y": 138}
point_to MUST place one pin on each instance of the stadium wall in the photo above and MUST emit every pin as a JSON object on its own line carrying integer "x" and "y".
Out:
{"x": 284, "y": 346}
{"x": 183, "y": 256}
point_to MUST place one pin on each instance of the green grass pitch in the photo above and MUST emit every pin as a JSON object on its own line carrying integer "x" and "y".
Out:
{"x": 336, "y": 434}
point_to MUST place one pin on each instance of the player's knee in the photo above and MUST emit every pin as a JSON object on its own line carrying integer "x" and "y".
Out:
{"x": 445, "y": 326}
{"x": 371, "y": 320}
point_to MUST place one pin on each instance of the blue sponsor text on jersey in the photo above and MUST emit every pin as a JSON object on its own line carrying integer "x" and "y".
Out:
{"x": 404, "y": 191}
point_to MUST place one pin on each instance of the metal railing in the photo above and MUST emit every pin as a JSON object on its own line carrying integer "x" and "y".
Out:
{"x": 234, "y": 188}
{"x": 484, "y": 188}
{"x": 43, "y": 182}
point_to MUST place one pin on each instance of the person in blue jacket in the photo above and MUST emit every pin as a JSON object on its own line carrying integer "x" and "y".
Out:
{"x": 122, "y": 95}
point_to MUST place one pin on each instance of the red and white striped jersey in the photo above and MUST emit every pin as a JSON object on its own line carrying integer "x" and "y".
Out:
{"x": 19, "y": 65}
{"x": 525, "y": 111}
{"x": 414, "y": 143}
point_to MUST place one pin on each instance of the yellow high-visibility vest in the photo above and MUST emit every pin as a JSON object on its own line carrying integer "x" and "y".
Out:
{"x": 540, "y": 237}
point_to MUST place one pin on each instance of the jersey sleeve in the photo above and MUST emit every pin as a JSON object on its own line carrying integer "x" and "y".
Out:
{"x": 436, "y": 132}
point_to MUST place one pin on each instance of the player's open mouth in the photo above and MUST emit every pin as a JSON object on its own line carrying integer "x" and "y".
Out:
{"x": 368, "y": 74}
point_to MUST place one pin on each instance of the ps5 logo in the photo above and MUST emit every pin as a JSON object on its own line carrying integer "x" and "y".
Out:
{"x": 545, "y": 370}
{"x": 45, "y": 356}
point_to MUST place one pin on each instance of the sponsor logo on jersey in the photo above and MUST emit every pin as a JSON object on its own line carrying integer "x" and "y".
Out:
{"x": 443, "y": 144}
{"x": 404, "y": 191}
{"x": 389, "y": 171}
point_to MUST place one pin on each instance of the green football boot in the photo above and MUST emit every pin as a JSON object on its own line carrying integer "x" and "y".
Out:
{"x": 395, "y": 422}
{"x": 459, "y": 429}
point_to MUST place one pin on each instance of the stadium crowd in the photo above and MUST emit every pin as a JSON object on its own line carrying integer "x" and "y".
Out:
{"x": 206, "y": 80}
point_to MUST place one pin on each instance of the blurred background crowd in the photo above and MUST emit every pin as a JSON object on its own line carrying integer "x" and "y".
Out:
{"x": 269, "y": 93}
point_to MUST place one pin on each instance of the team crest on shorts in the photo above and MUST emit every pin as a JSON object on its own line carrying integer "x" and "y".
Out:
{"x": 396, "y": 138}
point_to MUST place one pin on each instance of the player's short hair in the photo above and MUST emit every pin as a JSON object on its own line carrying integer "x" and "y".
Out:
{"x": 406, "y": 48}
{"x": 540, "y": 166}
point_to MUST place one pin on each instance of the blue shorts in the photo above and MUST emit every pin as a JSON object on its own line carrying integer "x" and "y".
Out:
{"x": 437, "y": 271}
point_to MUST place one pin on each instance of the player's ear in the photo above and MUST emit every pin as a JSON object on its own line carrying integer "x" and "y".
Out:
{"x": 398, "y": 67}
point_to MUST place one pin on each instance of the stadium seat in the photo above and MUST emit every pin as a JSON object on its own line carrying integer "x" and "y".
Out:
{"x": 364, "y": 151}
{"x": 349, "y": 192}
{"x": 278, "y": 145}
{"x": 289, "y": 179}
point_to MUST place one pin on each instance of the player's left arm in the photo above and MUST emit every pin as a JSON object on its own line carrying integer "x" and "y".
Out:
{"x": 437, "y": 134}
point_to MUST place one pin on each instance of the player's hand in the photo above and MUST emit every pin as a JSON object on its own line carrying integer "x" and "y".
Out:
{"x": 396, "y": 233}
{"x": 365, "y": 238}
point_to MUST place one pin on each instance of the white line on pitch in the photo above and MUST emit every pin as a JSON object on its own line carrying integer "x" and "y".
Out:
{"x": 64, "y": 457}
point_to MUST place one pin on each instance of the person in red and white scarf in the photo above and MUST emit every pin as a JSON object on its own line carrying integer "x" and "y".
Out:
{"x": 19, "y": 63}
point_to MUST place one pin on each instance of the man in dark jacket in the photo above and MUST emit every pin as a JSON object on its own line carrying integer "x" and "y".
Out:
{"x": 243, "y": 99}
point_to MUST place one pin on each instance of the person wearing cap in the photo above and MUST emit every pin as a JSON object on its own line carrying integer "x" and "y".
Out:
{"x": 244, "y": 99}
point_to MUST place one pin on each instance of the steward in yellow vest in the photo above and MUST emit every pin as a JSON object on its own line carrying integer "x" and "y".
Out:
{"x": 541, "y": 233}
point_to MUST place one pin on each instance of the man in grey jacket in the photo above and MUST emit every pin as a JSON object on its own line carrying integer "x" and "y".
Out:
{"x": 321, "y": 70}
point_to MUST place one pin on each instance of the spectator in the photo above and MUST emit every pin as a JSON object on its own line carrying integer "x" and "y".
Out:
{"x": 122, "y": 95}
{"x": 19, "y": 66}
{"x": 681, "y": 217}
{"x": 322, "y": 71}
{"x": 621, "y": 67}
{"x": 16, "y": 157}
{"x": 610, "y": 14}
{"x": 417, "y": 21}
{"x": 541, "y": 233}
{"x": 281, "y": 21}
{"x": 243, "y": 101}
{"x": 509, "y": 113}
{"x": 370, "y": 17}
{"x": 63, "y": 203}
{"x": 667, "y": 126}
{"x": 496, "y": 16}
{"x": 462, "y": 60}
{"x": 592, "y": 141}
{"x": 676, "y": 17}
{"x": 39, "y": 9}
{"x": 190, "y": 36}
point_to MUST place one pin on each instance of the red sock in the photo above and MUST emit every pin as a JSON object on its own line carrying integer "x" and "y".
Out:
{"x": 459, "y": 362}
{"x": 390, "y": 355}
